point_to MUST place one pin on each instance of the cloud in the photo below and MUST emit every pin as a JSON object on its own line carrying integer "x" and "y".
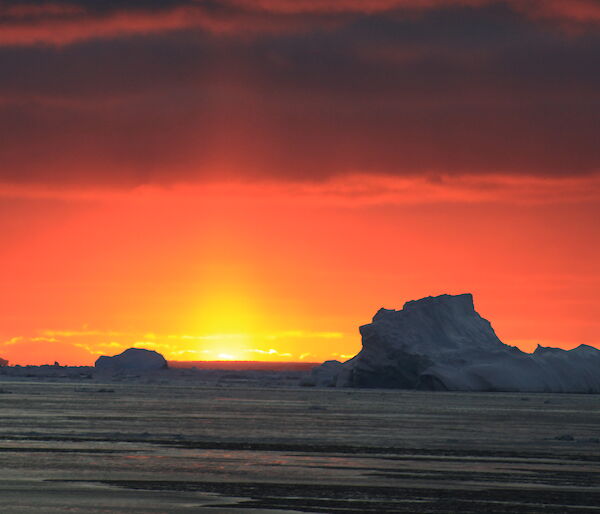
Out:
{"x": 36, "y": 351}
{"x": 82, "y": 347}
{"x": 68, "y": 24}
{"x": 586, "y": 12}
{"x": 73, "y": 22}
{"x": 321, "y": 89}
{"x": 21, "y": 339}
{"x": 364, "y": 190}
{"x": 271, "y": 352}
{"x": 348, "y": 191}
{"x": 572, "y": 11}
{"x": 343, "y": 356}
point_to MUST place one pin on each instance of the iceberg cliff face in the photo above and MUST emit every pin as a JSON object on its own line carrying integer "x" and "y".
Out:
{"x": 442, "y": 343}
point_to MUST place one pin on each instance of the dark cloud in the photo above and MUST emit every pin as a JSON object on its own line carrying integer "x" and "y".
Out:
{"x": 75, "y": 20}
{"x": 294, "y": 90}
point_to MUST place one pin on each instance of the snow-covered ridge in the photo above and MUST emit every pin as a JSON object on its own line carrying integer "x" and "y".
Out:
{"x": 442, "y": 343}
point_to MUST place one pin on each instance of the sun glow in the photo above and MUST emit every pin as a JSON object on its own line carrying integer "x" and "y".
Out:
{"x": 227, "y": 316}
{"x": 224, "y": 346}
{"x": 227, "y": 357}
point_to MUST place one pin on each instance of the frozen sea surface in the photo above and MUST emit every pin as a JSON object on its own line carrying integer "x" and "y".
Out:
{"x": 96, "y": 448}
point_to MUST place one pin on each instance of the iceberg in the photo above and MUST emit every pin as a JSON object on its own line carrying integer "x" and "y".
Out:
{"x": 442, "y": 343}
{"x": 132, "y": 360}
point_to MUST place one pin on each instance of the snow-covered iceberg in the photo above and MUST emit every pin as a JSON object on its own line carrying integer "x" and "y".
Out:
{"x": 133, "y": 360}
{"x": 442, "y": 343}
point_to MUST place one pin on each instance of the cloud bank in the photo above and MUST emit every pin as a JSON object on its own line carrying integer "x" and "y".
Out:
{"x": 121, "y": 94}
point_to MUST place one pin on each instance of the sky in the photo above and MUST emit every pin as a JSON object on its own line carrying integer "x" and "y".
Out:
{"x": 254, "y": 179}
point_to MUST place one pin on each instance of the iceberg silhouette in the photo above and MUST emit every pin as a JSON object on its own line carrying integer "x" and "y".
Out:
{"x": 442, "y": 343}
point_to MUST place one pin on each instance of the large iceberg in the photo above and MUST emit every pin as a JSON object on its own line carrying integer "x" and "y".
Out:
{"x": 442, "y": 343}
{"x": 132, "y": 360}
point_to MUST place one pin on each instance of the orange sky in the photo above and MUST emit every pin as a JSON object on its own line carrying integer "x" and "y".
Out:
{"x": 266, "y": 272}
{"x": 253, "y": 179}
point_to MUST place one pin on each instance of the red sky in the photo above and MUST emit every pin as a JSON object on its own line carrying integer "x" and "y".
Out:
{"x": 254, "y": 179}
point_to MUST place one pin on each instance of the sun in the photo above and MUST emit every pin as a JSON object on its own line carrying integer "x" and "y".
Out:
{"x": 225, "y": 347}
{"x": 227, "y": 357}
